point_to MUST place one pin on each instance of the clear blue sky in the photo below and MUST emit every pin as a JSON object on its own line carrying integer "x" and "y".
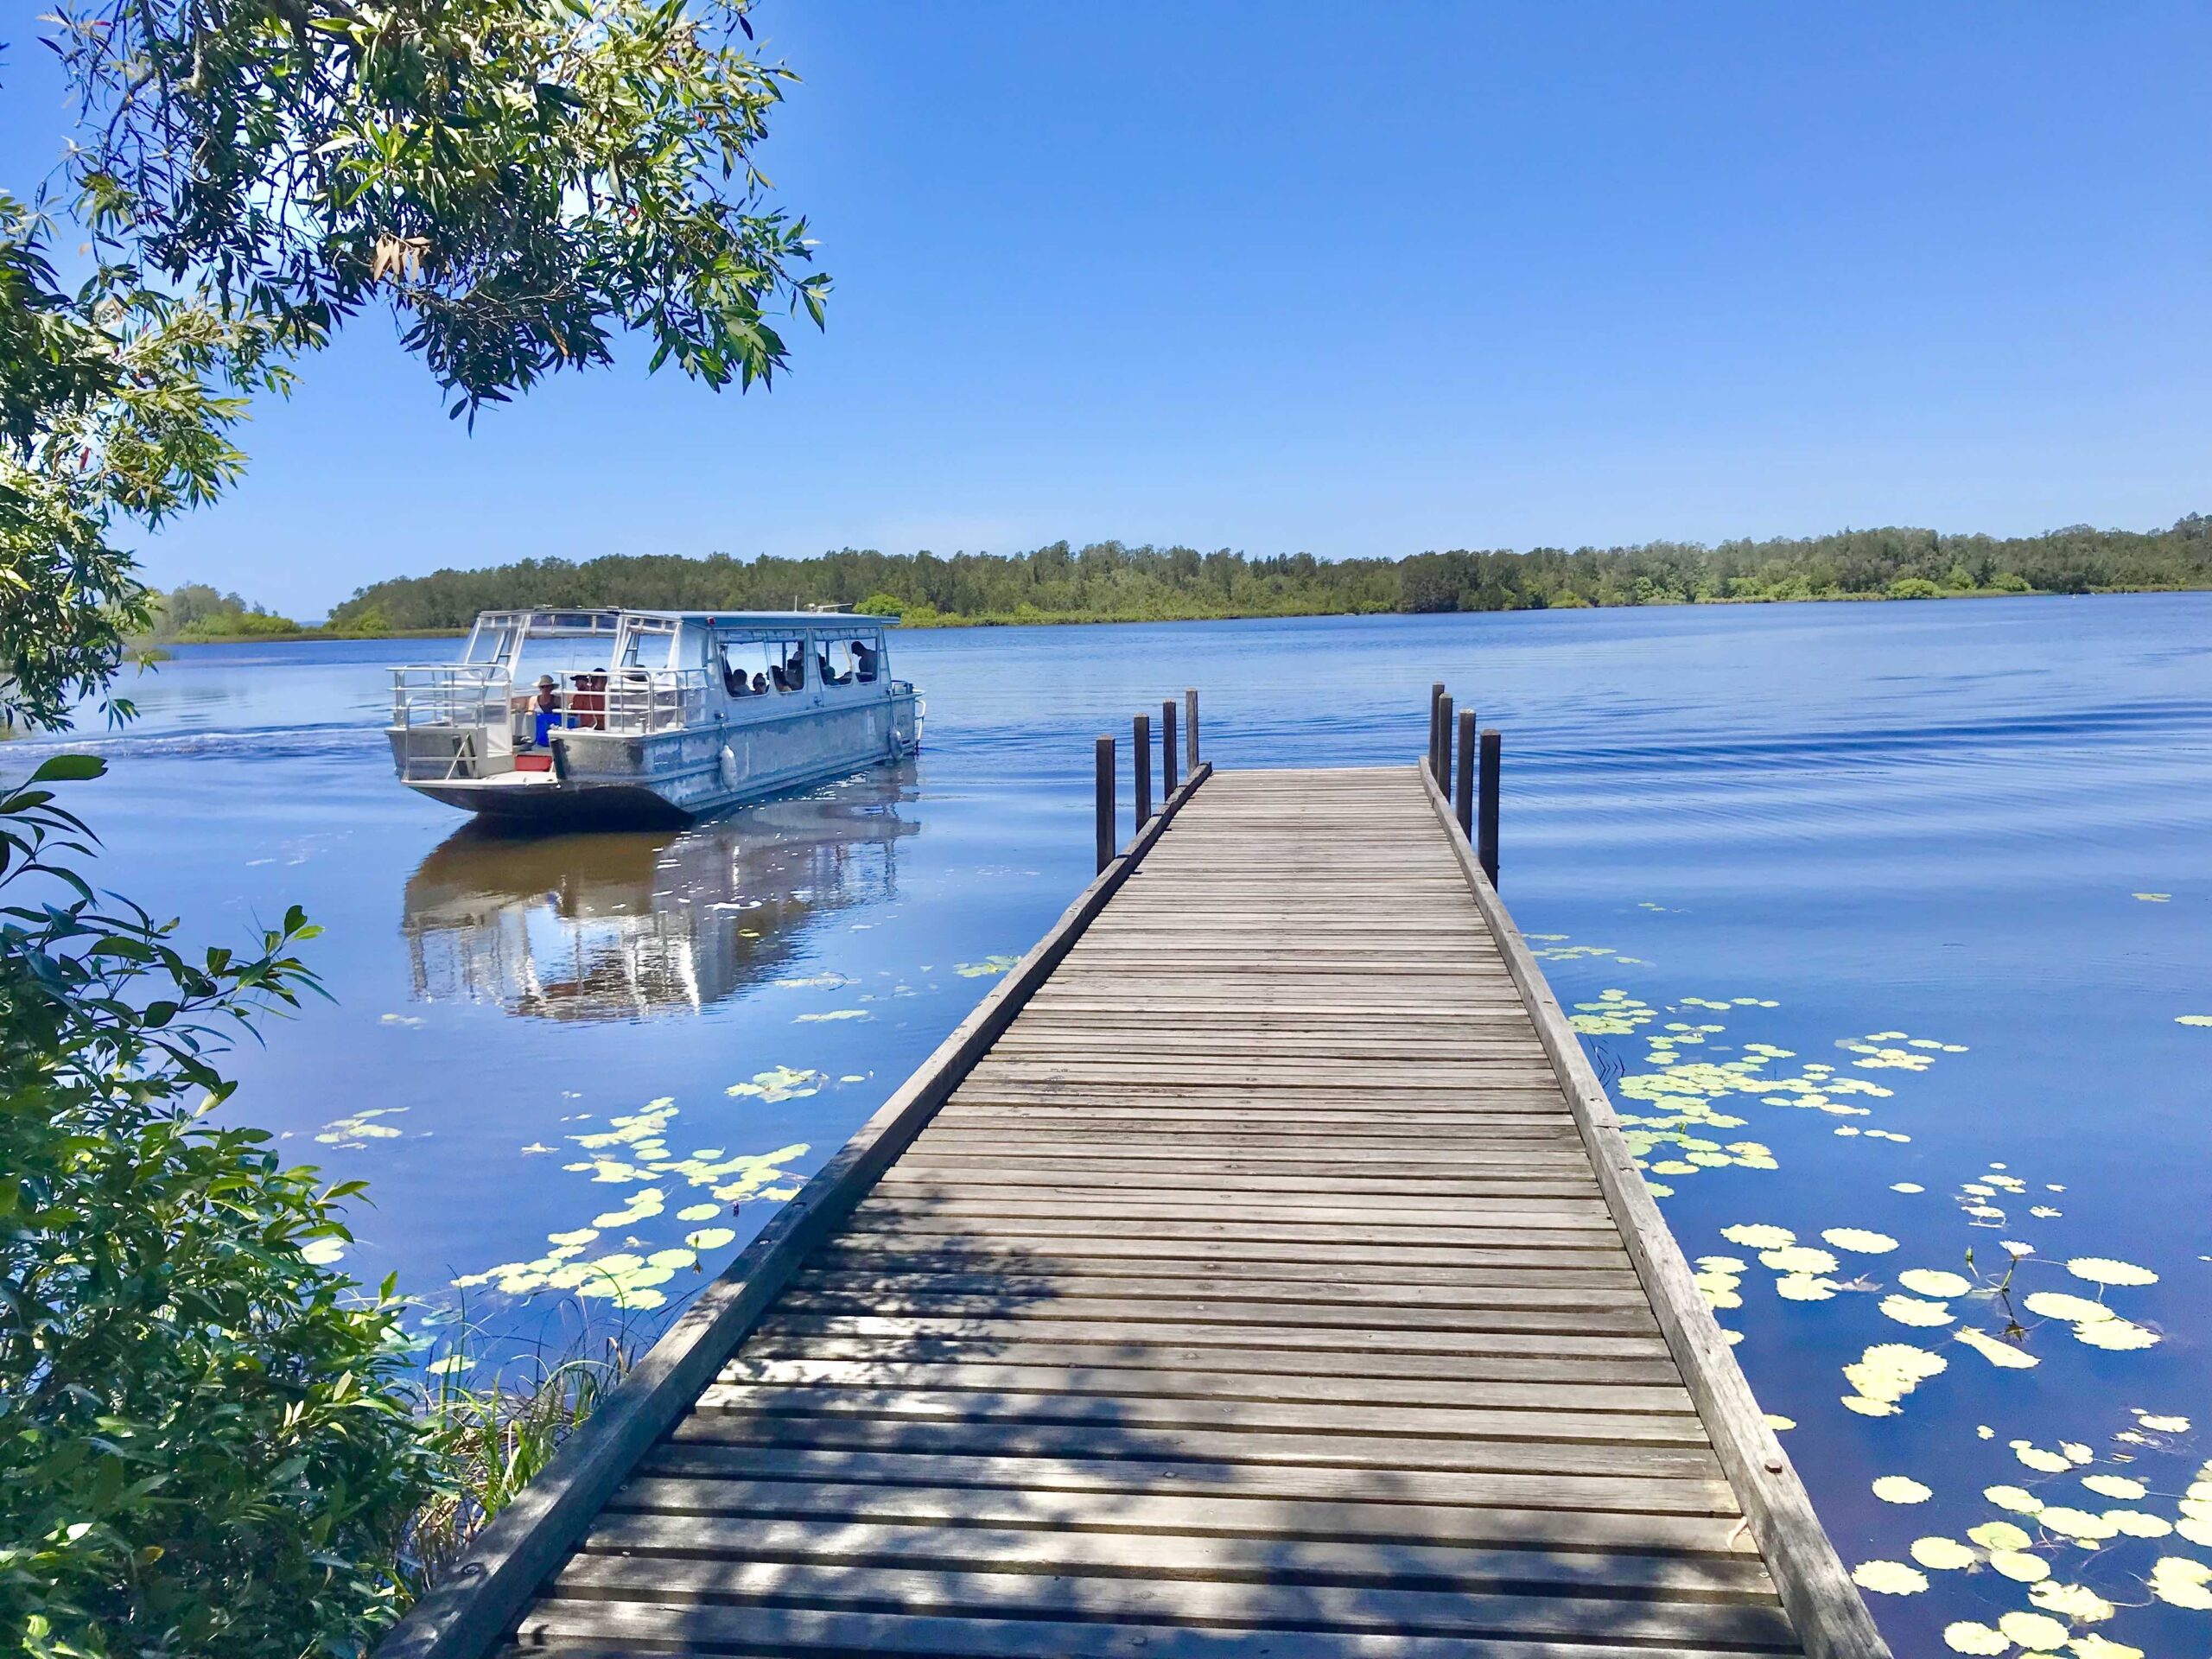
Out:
{"x": 1358, "y": 280}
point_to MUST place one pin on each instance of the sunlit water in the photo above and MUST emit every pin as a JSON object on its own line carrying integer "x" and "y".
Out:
{"x": 1917, "y": 893}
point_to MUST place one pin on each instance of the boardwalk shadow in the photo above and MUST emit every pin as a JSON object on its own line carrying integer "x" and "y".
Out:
{"x": 974, "y": 1426}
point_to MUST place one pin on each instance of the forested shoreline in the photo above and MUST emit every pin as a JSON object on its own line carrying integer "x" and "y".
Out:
{"x": 1110, "y": 582}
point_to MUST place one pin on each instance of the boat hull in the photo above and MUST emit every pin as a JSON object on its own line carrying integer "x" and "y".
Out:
{"x": 673, "y": 777}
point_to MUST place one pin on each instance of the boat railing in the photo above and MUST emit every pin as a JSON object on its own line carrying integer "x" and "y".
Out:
{"x": 449, "y": 694}
{"x": 653, "y": 699}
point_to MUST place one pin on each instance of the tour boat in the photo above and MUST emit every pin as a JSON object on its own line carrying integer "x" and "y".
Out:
{"x": 584, "y": 716}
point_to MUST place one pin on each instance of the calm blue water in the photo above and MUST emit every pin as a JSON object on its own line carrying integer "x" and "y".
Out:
{"x": 1789, "y": 855}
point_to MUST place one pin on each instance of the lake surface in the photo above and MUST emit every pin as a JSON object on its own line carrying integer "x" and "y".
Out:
{"x": 1885, "y": 921}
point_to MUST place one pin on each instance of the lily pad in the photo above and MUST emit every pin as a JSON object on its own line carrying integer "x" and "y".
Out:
{"x": 2114, "y": 1486}
{"x": 2119, "y": 1336}
{"x": 1933, "y": 1282}
{"x": 2104, "y": 1270}
{"x": 2038, "y": 1632}
{"x": 2002, "y": 1355}
{"x": 1901, "y": 1489}
{"x": 1943, "y": 1554}
{"x": 2018, "y": 1566}
{"x": 1888, "y": 1578}
{"x": 1859, "y": 1239}
{"x": 1758, "y": 1236}
{"x": 1966, "y": 1637}
{"x": 1910, "y": 1310}
{"x": 2180, "y": 1582}
{"x": 2059, "y": 1304}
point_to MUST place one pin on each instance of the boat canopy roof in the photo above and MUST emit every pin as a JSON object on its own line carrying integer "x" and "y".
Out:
{"x": 552, "y": 619}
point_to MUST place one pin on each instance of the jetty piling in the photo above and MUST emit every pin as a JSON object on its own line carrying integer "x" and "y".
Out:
{"x": 1492, "y": 751}
{"x": 1168, "y": 749}
{"x": 1105, "y": 803}
{"x": 1260, "y": 1267}
{"x": 1140, "y": 765}
{"x": 1466, "y": 797}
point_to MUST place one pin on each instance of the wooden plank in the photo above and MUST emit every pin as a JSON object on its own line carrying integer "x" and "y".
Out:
{"x": 1118, "y": 1549}
{"x": 1718, "y": 1539}
{"x": 1193, "y": 1363}
{"x": 1051, "y": 1439}
{"x": 1134, "y": 1409}
{"x": 988, "y": 1376}
{"x": 594, "y": 1628}
{"x": 1294, "y": 1482}
{"x": 593, "y": 1582}
{"x": 1030, "y": 1286}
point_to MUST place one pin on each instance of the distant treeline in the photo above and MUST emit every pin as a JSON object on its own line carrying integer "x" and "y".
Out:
{"x": 1108, "y": 582}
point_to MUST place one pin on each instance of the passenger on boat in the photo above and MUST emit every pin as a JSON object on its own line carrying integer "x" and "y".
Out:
{"x": 733, "y": 680}
{"x": 759, "y": 685}
{"x": 829, "y": 676}
{"x": 547, "y": 705}
{"x": 863, "y": 662}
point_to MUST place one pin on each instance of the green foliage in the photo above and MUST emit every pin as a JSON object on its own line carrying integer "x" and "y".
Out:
{"x": 204, "y": 1447}
{"x": 493, "y": 1438}
{"x": 208, "y": 1443}
{"x": 115, "y": 405}
{"x": 240, "y": 625}
{"x": 1108, "y": 581}
{"x": 198, "y": 612}
{"x": 185, "y": 608}
{"x": 523, "y": 180}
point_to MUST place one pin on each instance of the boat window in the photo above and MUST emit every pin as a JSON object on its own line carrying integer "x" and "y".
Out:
{"x": 648, "y": 643}
{"x": 694, "y": 647}
{"x": 489, "y": 642}
{"x": 560, "y": 656}
{"x": 852, "y": 662}
{"x": 789, "y": 669}
{"x": 744, "y": 663}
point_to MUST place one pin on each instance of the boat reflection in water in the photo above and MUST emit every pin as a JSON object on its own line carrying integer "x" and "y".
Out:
{"x": 626, "y": 925}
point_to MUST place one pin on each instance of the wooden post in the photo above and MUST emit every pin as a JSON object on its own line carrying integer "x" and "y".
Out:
{"x": 1141, "y": 765}
{"x": 1435, "y": 698}
{"x": 1191, "y": 731}
{"x": 1444, "y": 742}
{"x": 1105, "y": 802}
{"x": 1166, "y": 749}
{"x": 1467, "y": 797}
{"x": 1486, "y": 849}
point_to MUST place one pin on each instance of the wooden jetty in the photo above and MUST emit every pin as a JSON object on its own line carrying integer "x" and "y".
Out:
{"x": 1259, "y": 1270}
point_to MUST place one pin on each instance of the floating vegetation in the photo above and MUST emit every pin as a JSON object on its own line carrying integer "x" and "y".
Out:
{"x": 1615, "y": 1014}
{"x": 1551, "y": 949}
{"x": 988, "y": 968}
{"x": 633, "y": 1150}
{"x": 356, "y": 1129}
{"x": 832, "y": 1014}
{"x": 1885, "y": 1374}
{"x": 2193, "y": 1020}
{"x": 1888, "y": 1578}
{"x": 781, "y": 1083}
{"x": 1901, "y": 1489}
{"x": 815, "y": 982}
{"x": 2057, "y": 1554}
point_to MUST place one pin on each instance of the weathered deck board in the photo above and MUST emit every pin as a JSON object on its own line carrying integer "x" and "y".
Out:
{"x": 1256, "y": 1290}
